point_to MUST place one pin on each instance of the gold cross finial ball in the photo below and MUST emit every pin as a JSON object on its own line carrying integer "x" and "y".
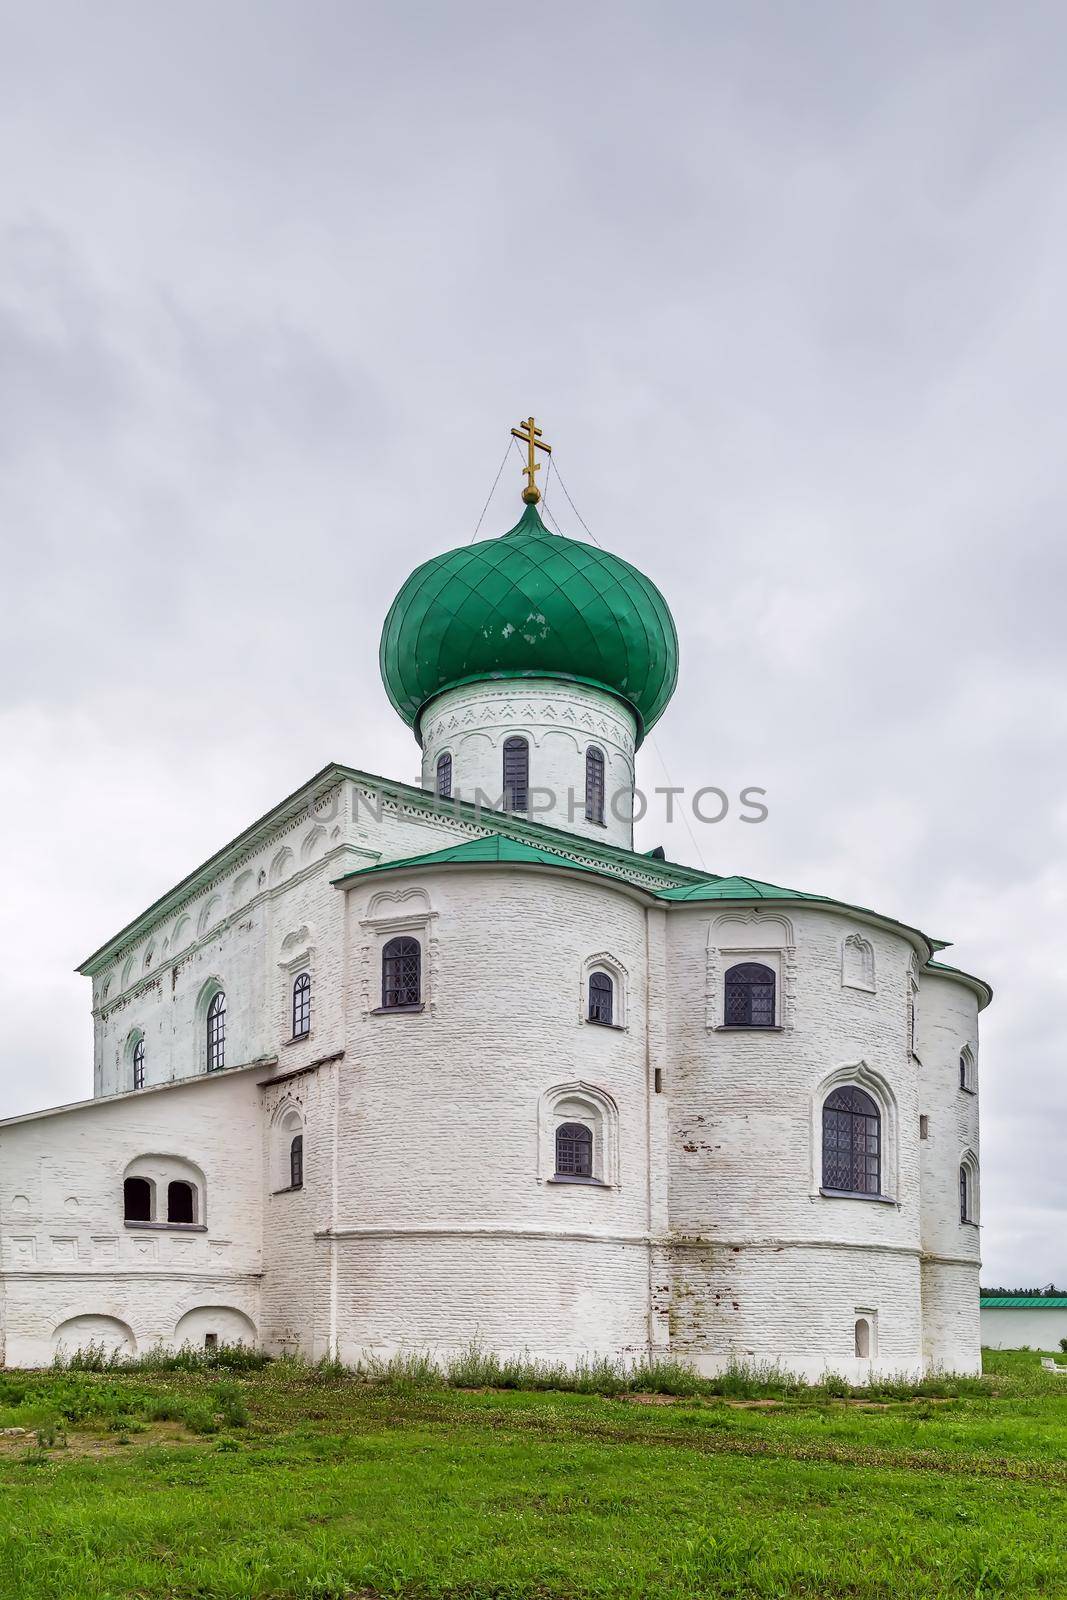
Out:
{"x": 530, "y": 434}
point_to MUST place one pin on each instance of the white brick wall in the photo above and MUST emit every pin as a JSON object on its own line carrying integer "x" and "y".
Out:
{"x": 425, "y": 1217}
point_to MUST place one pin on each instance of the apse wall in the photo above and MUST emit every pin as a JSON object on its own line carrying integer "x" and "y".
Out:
{"x": 946, "y": 1029}
{"x": 451, "y": 1226}
{"x": 762, "y": 1266}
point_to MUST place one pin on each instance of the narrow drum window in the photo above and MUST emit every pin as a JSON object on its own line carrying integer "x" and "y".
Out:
{"x": 965, "y": 1196}
{"x": 137, "y": 1200}
{"x": 181, "y": 1202}
{"x": 516, "y": 774}
{"x": 296, "y": 1162}
{"x": 851, "y": 1142}
{"x": 401, "y": 973}
{"x": 138, "y": 1064}
{"x": 302, "y": 1006}
{"x": 594, "y": 784}
{"x": 216, "y": 1033}
{"x": 444, "y": 776}
{"x": 963, "y": 1071}
{"x": 749, "y": 996}
{"x": 574, "y": 1150}
{"x": 601, "y": 998}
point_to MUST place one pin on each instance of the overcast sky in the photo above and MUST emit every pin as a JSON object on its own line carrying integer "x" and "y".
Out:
{"x": 785, "y": 285}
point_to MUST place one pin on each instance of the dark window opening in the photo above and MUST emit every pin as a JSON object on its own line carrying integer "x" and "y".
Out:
{"x": 216, "y": 1033}
{"x": 137, "y": 1200}
{"x": 574, "y": 1150}
{"x": 211, "y": 1341}
{"x": 138, "y": 1064}
{"x": 181, "y": 1205}
{"x": 302, "y": 1006}
{"x": 601, "y": 997}
{"x": 749, "y": 996}
{"x": 965, "y": 1196}
{"x": 594, "y": 784}
{"x": 516, "y": 774}
{"x": 444, "y": 776}
{"x": 851, "y": 1142}
{"x": 296, "y": 1162}
{"x": 401, "y": 973}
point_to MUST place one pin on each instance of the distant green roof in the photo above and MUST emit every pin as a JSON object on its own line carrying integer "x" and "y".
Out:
{"x": 1023, "y": 1302}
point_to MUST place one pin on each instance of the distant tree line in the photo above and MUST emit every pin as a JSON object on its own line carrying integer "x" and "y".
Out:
{"x": 1048, "y": 1292}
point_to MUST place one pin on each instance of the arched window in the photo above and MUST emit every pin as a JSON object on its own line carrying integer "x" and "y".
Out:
{"x": 967, "y": 1077}
{"x": 965, "y": 1195}
{"x": 601, "y": 998}
{"x": 574, "y": 1150}
{"x": 863, "y": 1338}
{"x": 181, "y": 1201}
{"x": 137, "y": 1200}
{"x": 443, "y": 786}
{"x": 216, "y": 1033}
{"x": 749, "y": 996}
{"x": 302, "y": 1006}
{"x": 296, "y": 1162}
{"x": 594, "y": 784}
{"x": 138, "y": 1064}
{"x": 516, "y": 774}
{"x": 401, "y": 973}
{"x": 851, "y": 1142}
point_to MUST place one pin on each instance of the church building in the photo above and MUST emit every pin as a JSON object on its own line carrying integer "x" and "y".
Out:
{"x": 414, "y": 1068}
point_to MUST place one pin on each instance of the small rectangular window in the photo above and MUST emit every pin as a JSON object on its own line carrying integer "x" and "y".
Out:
{"x": 211, "y": 1341}
{"x": 924, "y": 1126}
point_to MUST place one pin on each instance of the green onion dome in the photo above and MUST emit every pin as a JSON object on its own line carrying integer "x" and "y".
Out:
{"x": 531, "y": 604}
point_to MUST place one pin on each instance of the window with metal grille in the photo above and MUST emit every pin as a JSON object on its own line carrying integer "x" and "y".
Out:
{"x": 516, "y": 774}
{"x": 138, "y": 1064}
{"x": 574, "y": 1150}
{"x": 851, "y": 1142}
{"x": 749, "y": 996}
{"x": 296, "y": 1162}
{"x": 181, "y": 1202}
{"x": 444, "y": 776}
{"x": 594, "y": 784}
{"x": 302, "y": 1006}
{"x": 401, "y": 973}
{"x": 137, "y": 1200}
{"x": 216, "y": 1033}
{"x": 601, "y": 997}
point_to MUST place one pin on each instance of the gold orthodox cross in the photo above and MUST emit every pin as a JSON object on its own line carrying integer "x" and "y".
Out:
{"x": 530, "y": 434}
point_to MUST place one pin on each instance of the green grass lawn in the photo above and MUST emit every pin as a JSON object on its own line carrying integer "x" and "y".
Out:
{"x": 291, "y": 1482}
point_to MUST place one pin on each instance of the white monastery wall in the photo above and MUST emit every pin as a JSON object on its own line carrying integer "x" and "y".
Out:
{"x": 559, "y": 721}
{"x": 1019, "y": 1329}
{"x": 66, "y": 1252}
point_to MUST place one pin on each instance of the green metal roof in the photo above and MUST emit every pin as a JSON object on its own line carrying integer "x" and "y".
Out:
{"x": 495, "y": 848}
{"x": 736, "y": 888}
{"x": 1023, "y": 1302}
{"x": 531, "y": 604}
